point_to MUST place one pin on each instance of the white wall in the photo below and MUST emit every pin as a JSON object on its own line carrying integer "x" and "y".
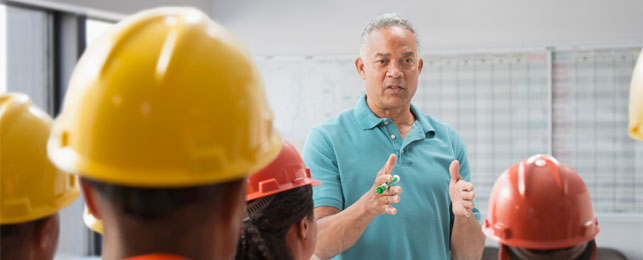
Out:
{"x": 132, "y": 6}
{"x": 624, "y": 233}
{"x": 3, "y": 48}
{"x": 282, "y": 27}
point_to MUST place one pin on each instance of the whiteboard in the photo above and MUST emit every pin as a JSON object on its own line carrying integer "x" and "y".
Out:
{"x": 506, "y": 106}
{"x": 499, "y": 103}
{"x": 590, "y": 104}
{"x": 305, "y": 91}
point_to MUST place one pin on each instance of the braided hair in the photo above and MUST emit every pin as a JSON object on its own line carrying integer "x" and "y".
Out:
{"x": 269, "y": 219}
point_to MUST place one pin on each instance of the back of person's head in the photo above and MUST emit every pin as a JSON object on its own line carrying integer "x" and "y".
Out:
{"x": 541, "y": 209}
{"x": 279, "y": 221}
{"x": 583, "y": 251}
{"x": 164, "y": 119}
{"x": 32, "y": 190}
{"x": 264, "y": 231}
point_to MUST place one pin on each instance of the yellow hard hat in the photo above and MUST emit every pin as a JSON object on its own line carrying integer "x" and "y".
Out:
{"x": 166, "y": 98}
{"x": 30, "y": 186}
{"x": 92, "y": 222}
{"x": 636, "y": 101}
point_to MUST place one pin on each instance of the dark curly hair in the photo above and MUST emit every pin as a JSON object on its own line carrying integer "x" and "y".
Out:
{"x": 269, "y": 219}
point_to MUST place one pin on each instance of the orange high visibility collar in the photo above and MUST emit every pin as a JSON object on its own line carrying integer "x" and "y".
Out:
{"x": 157, "y": 257}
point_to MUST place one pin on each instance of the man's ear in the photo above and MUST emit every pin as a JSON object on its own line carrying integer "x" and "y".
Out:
{"x": 359, "y": 65}
{"x": 90, "y": 199}
{"x": 420, "y": 64}
{"x": 46, "y": 234}
{"x": 303, "y": 228}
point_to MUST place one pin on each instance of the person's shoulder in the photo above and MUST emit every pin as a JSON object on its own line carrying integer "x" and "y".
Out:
{"x": 439, "y": 126}
{"x": 338, "y": 123}
{"x": 325, "y": 135}
{"x": 445, "y": 132}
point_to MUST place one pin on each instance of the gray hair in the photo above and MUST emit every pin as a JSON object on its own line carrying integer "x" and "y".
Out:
{"x": 386, "y": 21}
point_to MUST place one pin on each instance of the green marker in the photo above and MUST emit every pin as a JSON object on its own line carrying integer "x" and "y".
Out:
{"x": 384, "y": 186}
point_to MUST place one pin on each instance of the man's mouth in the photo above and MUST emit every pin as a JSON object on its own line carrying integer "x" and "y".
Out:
{"x": 394, "y": 88}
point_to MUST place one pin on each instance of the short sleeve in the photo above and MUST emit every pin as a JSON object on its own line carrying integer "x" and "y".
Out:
{"x": 319, "y": 157}
{"x": 465, "y": 171}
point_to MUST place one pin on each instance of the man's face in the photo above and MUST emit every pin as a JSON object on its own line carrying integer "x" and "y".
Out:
{"x": 391, "y": 67}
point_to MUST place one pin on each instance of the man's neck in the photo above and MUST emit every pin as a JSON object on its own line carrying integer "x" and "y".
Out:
{"x": 401, "y": 116}
{"x": 122, "y": 243}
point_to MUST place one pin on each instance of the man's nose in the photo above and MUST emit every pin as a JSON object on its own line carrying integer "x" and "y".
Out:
{"x": 394, "y": 70}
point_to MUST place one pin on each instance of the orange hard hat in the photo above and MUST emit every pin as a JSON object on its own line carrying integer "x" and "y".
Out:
{"x": 285, "y": 172}
{"x": 540, "y": 204}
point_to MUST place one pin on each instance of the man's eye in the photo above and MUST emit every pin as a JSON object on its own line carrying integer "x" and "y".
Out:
{"x": 408, "y": 60}
{"x": 381, "y": 61}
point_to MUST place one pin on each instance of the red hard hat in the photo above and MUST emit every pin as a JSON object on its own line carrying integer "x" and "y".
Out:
{"x": 285, "y": 172}
{"x": 540, "y": 204}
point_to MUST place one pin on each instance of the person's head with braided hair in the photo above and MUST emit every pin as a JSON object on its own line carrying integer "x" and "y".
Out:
{"x": 280, "y": 222}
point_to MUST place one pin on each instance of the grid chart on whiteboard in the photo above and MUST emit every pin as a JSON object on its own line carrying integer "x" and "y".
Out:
{"x": 499, "y": 103}
{"x": 506, "y": 107}
{"x": 590, "y": 111}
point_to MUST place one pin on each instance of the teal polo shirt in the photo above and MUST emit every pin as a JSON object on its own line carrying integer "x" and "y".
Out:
{"x": 347, "y": 151}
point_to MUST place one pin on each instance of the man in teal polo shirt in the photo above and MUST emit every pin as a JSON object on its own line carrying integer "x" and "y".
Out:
{"x": 436, "y": 219}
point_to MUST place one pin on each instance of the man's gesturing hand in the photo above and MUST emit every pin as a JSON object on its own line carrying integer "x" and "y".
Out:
{"x": 460, "y": 191}
{"x": 378, "y": 204}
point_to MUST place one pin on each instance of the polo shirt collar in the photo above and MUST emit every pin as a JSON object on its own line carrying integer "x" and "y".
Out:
{"x": 368, "y": 120}
{"x": 424, "y": 123}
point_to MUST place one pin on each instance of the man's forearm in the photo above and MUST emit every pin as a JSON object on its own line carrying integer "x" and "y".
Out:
{"x": 339, "y": 232}
{"x": 467, "y": 240}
